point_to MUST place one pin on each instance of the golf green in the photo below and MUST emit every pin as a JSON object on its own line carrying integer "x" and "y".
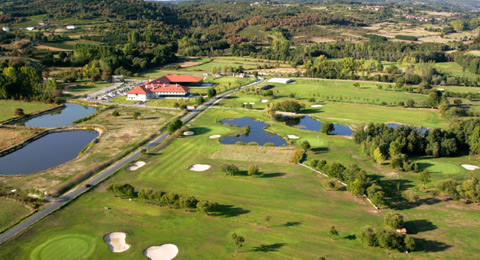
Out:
{"x": 70, "y": 247}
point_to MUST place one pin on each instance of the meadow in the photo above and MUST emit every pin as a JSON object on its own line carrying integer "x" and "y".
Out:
{"x": 7, "y": 108}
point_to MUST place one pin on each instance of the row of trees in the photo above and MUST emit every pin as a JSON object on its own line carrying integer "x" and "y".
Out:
{"x": 163, "y": 198}
{"x": 232, "y": 169}
{"x": 469, "y": 189}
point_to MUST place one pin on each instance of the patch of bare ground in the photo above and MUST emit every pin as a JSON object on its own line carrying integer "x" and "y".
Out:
{"x": 322, "y": 39}
{"x": 45, "y": 47}
{"x": 119, "y": 134}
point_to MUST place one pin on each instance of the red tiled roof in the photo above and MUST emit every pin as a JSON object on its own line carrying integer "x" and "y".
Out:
{"x": 138, "y": 90}
{"x": 177, "y": 79}
{"x": 167, "y": 88}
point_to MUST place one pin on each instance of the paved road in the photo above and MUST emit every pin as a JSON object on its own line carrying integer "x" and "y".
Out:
{"x": 63, "y": 200}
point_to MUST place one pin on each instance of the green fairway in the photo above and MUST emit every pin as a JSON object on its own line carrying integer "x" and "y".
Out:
{"x": 70, "y": 247}
{"x": 7, "y": 108}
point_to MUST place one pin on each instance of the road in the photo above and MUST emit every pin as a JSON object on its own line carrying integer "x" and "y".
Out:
{"x": 63, "y": 200}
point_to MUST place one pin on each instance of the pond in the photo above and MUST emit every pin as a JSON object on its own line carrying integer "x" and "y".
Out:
{"x": 257, "y": 133}
{"x": 308, "y": 123}
{"x": 46, "y": 152}
{"x": 395, "y": 125}
{"x": 59, "y": 118}
{"x": 202, "y": 85}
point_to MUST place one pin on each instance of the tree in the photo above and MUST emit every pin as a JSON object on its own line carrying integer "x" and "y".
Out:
{"x": 252, "y": 170}
{"x": 136, "y": 115}
{"x": 474, "y": 141}
{"x": 107, "y": 76}
{"x": 206, "y": 206}
{"x": 229, "y": 169}
{"x": 327, "y": 127}
{"x": 333, "y": 232}
{"x": 306, "y": 145}
{"x": 376, "y": 195}
{"x": 19, "y": 112}
{"x": 238, "y": 240}
{"x": 270, "y": 110}
{"x": 368, "y": 236}
{"x": 393, "y": 220}
{"x": 409, "y": 243}
{"x": 174, "y": 126}
{"x": 424, "y": 177}
{"x": 211, "y": 92}
{"x": 378, "y": 156}
{"x": 389, "y": 239}
{"x": 267, "y": 220}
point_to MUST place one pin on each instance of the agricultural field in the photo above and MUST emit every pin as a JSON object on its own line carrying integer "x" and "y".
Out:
{"x": 301, "y": 208}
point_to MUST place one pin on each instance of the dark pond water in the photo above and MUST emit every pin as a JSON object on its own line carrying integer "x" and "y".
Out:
{"x": 46, "y": 152}
{"x": 256, "y": 134}
{"x": 395, "y": 125}
{"x": 59, "y": 118}
{"x": 308, "y": 123}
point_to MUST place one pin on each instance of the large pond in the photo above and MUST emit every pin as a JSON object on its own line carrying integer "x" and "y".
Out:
{"x": 256, "y": 134}
{"x": 59, "y": 118}
{"x": 308, "y": 123}
{"x": 46, "y": 152}
{"x": 395, "y": 125}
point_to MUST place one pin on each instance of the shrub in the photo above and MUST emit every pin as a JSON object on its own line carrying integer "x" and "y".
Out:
{"x": 252, "y": 170}
{"x": 174, "y": 126}
{"x": 229, "y": 169}
{"x": 297, "y": 156}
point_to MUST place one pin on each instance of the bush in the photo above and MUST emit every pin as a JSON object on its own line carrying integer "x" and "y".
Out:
{"x": 229, "y": 169}
{"x": 289, "y": 106}
{"x": 253, "y": 170}
{"x": 19, "y": 112}
{"x": 174, "y": 126}
{"x": 297, "y": 156}
{"x": 393, "y": 220}
{"x": 124, "y": 190}
{"x": 327, "y": 127}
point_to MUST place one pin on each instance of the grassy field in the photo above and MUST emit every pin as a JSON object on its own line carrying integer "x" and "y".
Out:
{"x": 454, "y": 69}
{"x": 7, "y": 108}
{"x": 302, "y": 210}
{"x": 11, "y": 212}
{"x": 84, "y": 87}
{"x": 121, "y": 133}
{"x": 170, "y": 102}
{"x": 123, "y": 100}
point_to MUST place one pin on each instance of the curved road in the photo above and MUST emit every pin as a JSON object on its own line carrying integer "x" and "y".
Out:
{"x": 63, "y": 200}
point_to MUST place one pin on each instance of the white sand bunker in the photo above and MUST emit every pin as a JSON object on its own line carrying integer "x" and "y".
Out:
{"x": 470, "y": 167}
{"x": 292, "y": 137}
{"x": 136, "y": 165}
{"x": 440, "y": 89}
{"x": 251, "y": 103}
{"x": 163, "y": 252}
{"x": 214, "y": 136}
{"x": 199, "y": 167}
{"x": 188, "y": 133}
{"x": 264, "y": 101}
{"x": 316, "y": 106}
{"x": 116, "y": 242}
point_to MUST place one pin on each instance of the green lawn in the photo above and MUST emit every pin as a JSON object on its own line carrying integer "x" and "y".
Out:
{"x": 11, "y": 212}
{"x": 72, "y": 246}
{"x": 123, "y": 100}
{"x": 84, "y": 87}
{"x": 169, "y": 102}
{"x": 7, "y": 108}
{"x": 454, "y": 69}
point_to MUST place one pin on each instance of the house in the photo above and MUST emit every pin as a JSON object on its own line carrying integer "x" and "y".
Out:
{"x": 166, "y": 86}
{"x": 71, "y": 27}
{"x": 31, "y": 28}
{"x": 5, "y": 29}
{"x": 280, "y": 80}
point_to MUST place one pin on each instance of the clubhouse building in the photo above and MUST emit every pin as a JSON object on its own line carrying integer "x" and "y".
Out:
{"x": 166, "y": 86}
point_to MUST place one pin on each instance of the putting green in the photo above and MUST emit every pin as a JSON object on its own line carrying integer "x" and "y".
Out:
{"x": 70, "y": 247}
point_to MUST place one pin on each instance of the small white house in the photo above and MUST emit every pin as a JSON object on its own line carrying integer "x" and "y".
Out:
{"x": 5, "y": 29}
{"x": 280, "y": 80}
{"x": 71, "y": 27}
{"x": 31, "y": 28}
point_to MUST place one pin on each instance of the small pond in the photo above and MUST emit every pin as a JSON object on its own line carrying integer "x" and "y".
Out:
{"x": 395, "y": 125}
{"x": 59, "y": 118}
{"x": 308, "y": 123}
{"x": 46, "y": 152}
{"x": 256, "y": 134}
{"x": 202, "y": 85}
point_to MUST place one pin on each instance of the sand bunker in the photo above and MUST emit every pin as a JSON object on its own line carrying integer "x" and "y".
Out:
{"x": 316, "y": 106}
{"x": 163, "y": 252}
{"x": 199, "y": 167}
{"x": 441, "y": 89}
{"x": 251, "y": 103}
{"x": 116, "y": 242}
{"x": 264, "y": 101}
{"x": 470, "y": 167}
{"x": 214, "y": 136}
{"x": 136, "y": 165}
{"x": 292, "y": 137}
{"x": 188, "y": 133}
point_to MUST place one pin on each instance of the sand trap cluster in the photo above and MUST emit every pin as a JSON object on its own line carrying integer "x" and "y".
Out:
{"x": 264, "y": 101}
{"x": 199, "y": 167}
{"x": 316, "y": 106}
{"x": 470, "y": 167}
{"x": 251, "y": 103}
{"x": 136, "y": 165}
{"x": 116, "y": 242}
{"x": 163, "y": 252}
{"x": 214, "y": 136}
{"x": 188, "y": 133}
{"x": 292, "y": 137}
